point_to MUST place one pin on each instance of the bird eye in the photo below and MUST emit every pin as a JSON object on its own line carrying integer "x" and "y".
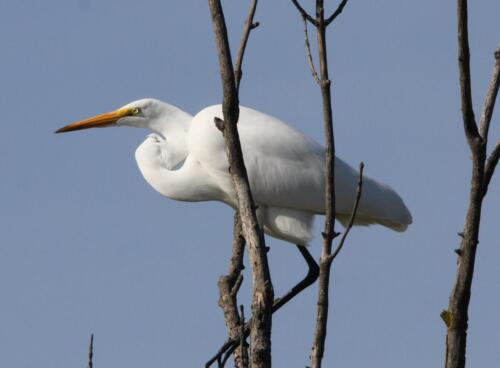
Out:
{"x": 136, "y": 111}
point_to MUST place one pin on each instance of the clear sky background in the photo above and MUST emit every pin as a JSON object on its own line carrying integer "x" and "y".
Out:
{"x": 87, "y": 246}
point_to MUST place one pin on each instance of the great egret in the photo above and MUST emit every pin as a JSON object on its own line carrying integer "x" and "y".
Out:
{"x": 185, "y": 159}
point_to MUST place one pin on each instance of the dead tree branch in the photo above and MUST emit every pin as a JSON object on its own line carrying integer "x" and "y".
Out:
{"x": 491, "y": 96}
{"x": 312, "y": 274}
{"x": 249, "y": 25}
{"x": 329, "y": 231}
{"x": 262, "y": 298}
{"x": 308, "y": 52}
{"x": 337, "y": 12}
{"x": 91, "y": 351}
{"x": 468, "y": 117}
{"x": 303, "y": 12}
{"x": 229, "y": 286}
{"x": 456, "y": 316}
{"x": 491, "y": 164}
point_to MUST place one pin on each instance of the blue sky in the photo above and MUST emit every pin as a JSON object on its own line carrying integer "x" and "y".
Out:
{"x": 86, "y": 246}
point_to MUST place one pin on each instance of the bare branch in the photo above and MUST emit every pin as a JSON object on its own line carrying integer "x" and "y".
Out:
{"x": 304, "y": 13}
{"x": 229, "y": 286}
{"x": 469, "y": 119}
{"x": 336, "y": 13}
{"x": 330, "y": 205}
{"x": 249, "y": 25}
{"x": 263, "y": 294}
{"x": 456, "y": 316}
{"x": 91, "y": 351}
{"x": 353, "y": 214}
{"x": 308, "y": 51}
{"x": 243, "y": 344}
{"x": 491, "y": 95}
{"x": 230, "y": 345}
{"x": 491, "y": 164}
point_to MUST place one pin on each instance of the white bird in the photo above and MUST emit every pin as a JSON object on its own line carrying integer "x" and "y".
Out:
{"x": 185, "y": 159}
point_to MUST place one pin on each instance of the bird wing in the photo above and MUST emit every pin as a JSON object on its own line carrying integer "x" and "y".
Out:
{"x": 286, "y": 169}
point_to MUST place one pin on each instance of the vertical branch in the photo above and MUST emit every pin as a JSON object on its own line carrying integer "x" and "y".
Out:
{"x": 262, "y": 298}
{"x": 229, "y": 286}
{"x": 456, "y": 316}
{"x": 329, "y": 233}
{"x": 243, "y": 349}
{"x": 319, "y": 338}
{"x": 491, "y": 96}
{"x": 91, "y": 351}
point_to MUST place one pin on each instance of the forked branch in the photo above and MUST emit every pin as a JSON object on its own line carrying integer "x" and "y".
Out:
{"x": 456, "y": 315}
{"x": 303, "y": 12}
{"x": 329, "y": 229}
{"x": 262, "y": 290}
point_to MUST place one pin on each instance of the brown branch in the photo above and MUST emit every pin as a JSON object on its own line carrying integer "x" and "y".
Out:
{"x": 229, "y": 286}
{"x": 491, "y": 95}
{"x": 91, "y": 351}
{"x": 336, "y": 13}
{"x": 491, "y": 164}
{"x": 456, "y": 316}
{"x": 262, "y": 298}
{"x": 359, "y": 190}
{"x": 308, "y": 52}
{"x": 312, "y": 274}
{"x": 329, "y": 230}
{"x": 469, "y": 119}
{"x": 322, "y": 315}
{"x": 243, "y": 344}
{"x": 249, "y": 25}
{"x": 304, "y": 14}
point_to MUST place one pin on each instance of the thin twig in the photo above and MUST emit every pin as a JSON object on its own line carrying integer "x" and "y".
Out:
{"x": 308, "y": 51}
{"x": 336, "y": 13}
{"x": 491, "y": 164}
{"x": 249, "y": 25}
{"x": 359, "y": 190}
{"x": 243, "y": 345}
{"x": 91, "y": 351}
{"x": 304, "y": 13}
{"x": 491, "y": 95}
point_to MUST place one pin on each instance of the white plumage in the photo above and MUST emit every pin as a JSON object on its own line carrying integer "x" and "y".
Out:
{"x": 185, "y": 159}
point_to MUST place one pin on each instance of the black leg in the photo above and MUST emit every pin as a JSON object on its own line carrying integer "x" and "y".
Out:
{"x": 311, "y": 277}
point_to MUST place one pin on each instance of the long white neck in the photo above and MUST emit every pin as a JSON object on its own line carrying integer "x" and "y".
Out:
{"x": 185, "y": 183}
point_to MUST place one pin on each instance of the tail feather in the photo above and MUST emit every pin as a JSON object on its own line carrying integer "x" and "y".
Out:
{"x": 381, "y": 205}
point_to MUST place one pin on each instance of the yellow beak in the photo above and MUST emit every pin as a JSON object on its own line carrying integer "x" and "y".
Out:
{"x": 99, "y": 121}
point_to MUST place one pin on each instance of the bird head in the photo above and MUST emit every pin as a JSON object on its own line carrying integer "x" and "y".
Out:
{"x": 142, "y": 113}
